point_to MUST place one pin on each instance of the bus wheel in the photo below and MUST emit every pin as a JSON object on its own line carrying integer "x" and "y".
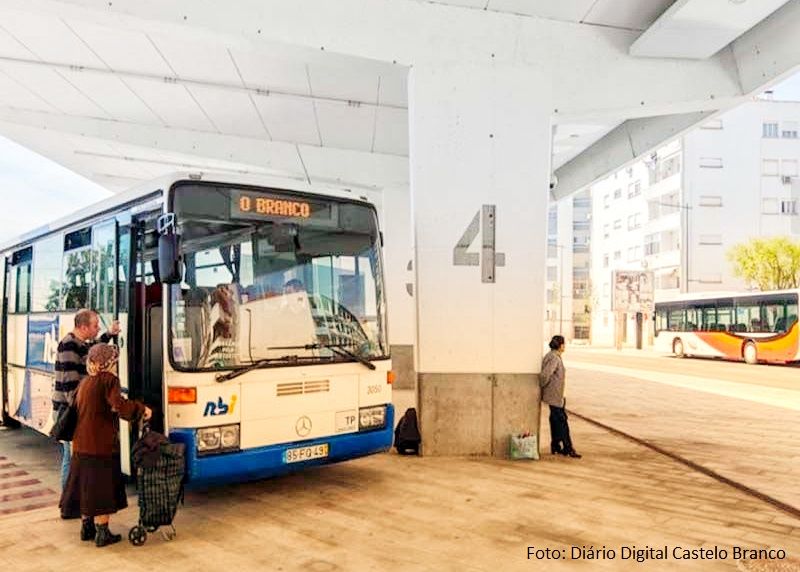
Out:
{"x": 677, "y": 347}
{"x": 750, "y": 353}
{"x": 9, "y": 422}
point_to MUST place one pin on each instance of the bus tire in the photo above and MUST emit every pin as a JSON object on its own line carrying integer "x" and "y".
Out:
{"x": 9, "y": 422}
{"x": 750, "y": 353}
{"x": 677, "y": 347}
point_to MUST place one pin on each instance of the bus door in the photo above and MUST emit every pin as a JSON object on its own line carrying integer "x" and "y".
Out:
{"x": 146, "y": 309}
{"x": 7, "y": 420}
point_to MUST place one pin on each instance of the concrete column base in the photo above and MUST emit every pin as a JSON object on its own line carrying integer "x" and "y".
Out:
{"x": 474, "y": 413}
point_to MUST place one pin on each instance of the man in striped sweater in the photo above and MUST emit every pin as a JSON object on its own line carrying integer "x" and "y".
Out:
{"x": 71, "y": 367}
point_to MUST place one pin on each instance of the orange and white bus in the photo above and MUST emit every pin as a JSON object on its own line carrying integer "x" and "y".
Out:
{"x": 754, "y": 327}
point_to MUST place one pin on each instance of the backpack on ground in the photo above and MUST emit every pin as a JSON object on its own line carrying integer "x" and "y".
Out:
{"x": 406, "y": 434}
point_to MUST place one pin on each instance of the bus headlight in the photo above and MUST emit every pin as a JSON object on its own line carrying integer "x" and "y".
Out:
{"x": 371, "y": 417}
{"x": 229, "y": 436}
{"x": 221, "y": 438}
{"x": 208, "y": 439}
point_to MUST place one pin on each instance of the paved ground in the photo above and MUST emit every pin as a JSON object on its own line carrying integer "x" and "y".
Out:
{"x": 389, "y": 512}
{"x": 750, "y": 442}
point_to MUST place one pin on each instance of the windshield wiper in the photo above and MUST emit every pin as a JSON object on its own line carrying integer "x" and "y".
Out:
{"x": 338, "y": 349}
{"x": 222, "y": 377}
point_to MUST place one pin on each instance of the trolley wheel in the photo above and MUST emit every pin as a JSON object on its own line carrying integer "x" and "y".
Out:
{"x": 137, "y": 535}
{"x": 750, "y": 353}
{"x": 169, "y": 533}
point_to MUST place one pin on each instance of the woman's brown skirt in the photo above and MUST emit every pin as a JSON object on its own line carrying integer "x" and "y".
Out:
{"x": 95, "y": 486}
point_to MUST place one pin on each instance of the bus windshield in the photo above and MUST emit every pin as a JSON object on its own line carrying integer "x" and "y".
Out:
{"x": 272, "y": 275}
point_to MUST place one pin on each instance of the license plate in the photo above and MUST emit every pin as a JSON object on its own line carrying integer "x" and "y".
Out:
{"x": 305, "y": 453}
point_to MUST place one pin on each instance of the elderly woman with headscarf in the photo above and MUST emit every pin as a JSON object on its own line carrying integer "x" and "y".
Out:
{"x": 95, "y": 486}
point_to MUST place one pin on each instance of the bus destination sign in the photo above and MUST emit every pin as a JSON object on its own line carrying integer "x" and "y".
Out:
{"x": 256, "y": 205}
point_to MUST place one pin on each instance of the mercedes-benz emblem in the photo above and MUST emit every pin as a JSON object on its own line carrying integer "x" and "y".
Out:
{"x": 303, "y": 426}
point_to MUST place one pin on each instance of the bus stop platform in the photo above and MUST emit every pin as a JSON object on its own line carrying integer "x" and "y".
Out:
{"x": 621, "y": 502}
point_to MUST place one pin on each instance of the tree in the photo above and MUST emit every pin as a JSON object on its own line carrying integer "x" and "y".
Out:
{"x": 769, "y": 263}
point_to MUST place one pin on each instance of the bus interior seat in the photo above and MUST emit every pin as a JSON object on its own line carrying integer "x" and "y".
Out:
{"x": 780, "y": 325}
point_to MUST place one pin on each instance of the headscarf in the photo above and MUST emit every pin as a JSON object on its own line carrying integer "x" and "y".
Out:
{"x": 102, "y": 357}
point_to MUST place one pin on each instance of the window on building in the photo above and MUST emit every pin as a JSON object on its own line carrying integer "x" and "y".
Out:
{"x": 617, "y": 254}
{"x": 710, "y": 201}
{"x": 652, "y": 244}
{"x": 711, "y": 162}
{"x": 769, "y": 167}
{"x": 789, "y": 167}
{"x": 789, "y": 129}
{"x": 634, "y": 253}
{"x": 634, "y": 189}
{"x": 769, "y": 130}
{"x": 606, "y": 201}
{"x": 606, "y": 289}
{"x": 617, "y": 193}
{"x": 605, "y": 261}
{"x": 710, "y": 239}
{"x": 552, "y": 221}
{"x": 606, "y": 230}
{"x": 552, "y": 273}
{"x": 769, "y": 206}
{"x": 789, "y": 207}
{"x": 618, "y": 224}
{"x": 634, "y": 221}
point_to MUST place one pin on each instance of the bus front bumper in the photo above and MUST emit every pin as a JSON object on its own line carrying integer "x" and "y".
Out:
{"x": 269, "y": 461}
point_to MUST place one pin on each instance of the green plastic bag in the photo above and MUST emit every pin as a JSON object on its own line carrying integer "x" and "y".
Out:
{"x": 524, "y": 447}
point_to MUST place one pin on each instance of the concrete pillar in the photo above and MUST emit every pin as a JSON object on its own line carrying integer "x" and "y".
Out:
{"x": 480, "y": 162}
{"x": 398, "y": 252}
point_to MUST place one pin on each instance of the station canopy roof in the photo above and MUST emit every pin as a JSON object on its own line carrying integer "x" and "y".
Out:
{"x": 125, "y": 91}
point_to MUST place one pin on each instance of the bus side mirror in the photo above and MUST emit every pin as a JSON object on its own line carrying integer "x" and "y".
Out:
{"x": 169, "y": 252}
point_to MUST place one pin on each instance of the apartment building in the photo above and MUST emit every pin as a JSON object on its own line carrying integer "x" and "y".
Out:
{"x": 678, "y": 211}
{"x": 568, "y": 272}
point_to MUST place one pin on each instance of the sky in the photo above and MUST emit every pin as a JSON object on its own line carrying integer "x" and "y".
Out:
{"x": 35, "y": 190}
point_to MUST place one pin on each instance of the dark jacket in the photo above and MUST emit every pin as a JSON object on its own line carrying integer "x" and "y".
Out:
{"x": 100, "y": 405}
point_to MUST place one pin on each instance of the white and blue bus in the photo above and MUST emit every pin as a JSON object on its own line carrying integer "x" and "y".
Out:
{"x": 253, "y": 318}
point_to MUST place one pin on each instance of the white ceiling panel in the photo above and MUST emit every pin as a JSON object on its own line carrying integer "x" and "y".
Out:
{"x": 341, "y": 82}
{"x": 48, "y": 37}
{"x": 633, "y": 14}
{"x": 192, "y": 60}
{"x": 391, "y": 131}
{"x": 345, "y": 126}
{"x": 53, "y": 88}
{"x": 232, "y": 112}
{"x": 10, "y": 47}
{"x": 568, "y": 10}
{"x": 394, "y": 88}
{"x": 114, "y": 97}
{"x": 465, "y": 3}
{"x": 13, "y": 94}
{"x": 122, "y": 50}
{"x": 172, "y": 103}
{"x": 267, "y": 72}
{"x": 289, "y": 119}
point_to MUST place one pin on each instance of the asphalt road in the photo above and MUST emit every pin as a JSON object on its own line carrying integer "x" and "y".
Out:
{"x": 779, "y": 376}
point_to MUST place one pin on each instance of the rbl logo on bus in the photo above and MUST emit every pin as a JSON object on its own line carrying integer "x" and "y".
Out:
{"x": 219, "y": 407}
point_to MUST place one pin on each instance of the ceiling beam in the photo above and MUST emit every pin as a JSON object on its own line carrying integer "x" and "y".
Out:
{"x": 409, "y": 33}
{"x": 323, "y": 164}
{"x": 620, "y": 147}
